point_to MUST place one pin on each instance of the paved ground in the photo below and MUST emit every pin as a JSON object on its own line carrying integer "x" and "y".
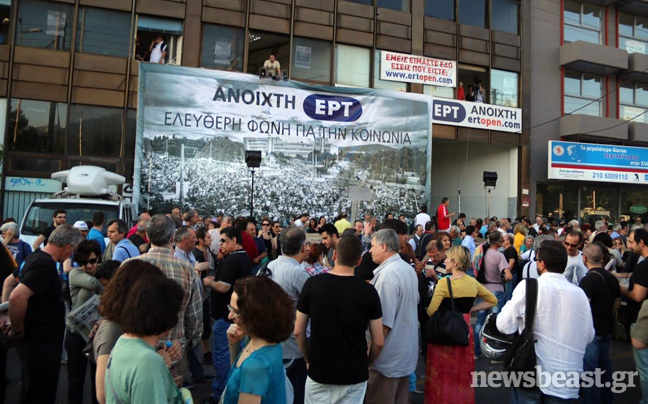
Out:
{"x": 621, "y": 360}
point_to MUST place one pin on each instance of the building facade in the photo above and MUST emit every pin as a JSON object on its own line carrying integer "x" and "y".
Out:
{"x": 589, "y": 86}
{"x": 69, "y": 76}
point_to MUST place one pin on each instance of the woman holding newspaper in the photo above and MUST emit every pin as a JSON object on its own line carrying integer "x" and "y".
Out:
{"x": 83, "y": 286}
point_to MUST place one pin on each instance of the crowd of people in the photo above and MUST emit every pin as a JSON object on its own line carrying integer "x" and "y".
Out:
{"x": 278, "y": 193}
{"x": 319, "y": 311}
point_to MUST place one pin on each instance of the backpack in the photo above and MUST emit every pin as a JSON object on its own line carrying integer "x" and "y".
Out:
{"x": 478, "y": 262}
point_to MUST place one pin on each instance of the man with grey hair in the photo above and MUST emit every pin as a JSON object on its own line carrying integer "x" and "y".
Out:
{"x": 37, "y": 316}
{"x": 602, "y": 290}
{"x": 288, "y": 273}
{"x": 160, "y": 230}
{"x": 137, "y": 234}
{"x": 191, "y": 219}
{"x": 574, "y": 224}
{"x": 397, "y": 285}
{"x": 11, "y": 239}
{"x": 455, "y": 235}
{"x": 530, "y": 269}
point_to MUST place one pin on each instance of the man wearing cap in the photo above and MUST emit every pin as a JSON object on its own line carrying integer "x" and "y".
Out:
{"x": 82, "y": 227}
{"x": 11, "y": 239}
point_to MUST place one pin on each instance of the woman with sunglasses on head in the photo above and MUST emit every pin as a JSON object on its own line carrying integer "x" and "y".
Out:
{"x": 262, "y": 311}
{"x": 83, "y": 286}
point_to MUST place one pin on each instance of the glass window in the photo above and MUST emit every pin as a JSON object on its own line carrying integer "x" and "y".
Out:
{"x": 598, "y": 201}
{"x": 400, "y": 5}
{"x": 504, "y": 16}
{"x": 504, "y": 88}
{"x": 311, "y": 60}
{"x": 95, "y": 131}
{"x": 582, "y": 22}
{"x": 262, "y": 44}
{"x": 103, "y": 32}
{"x": 131, "y": 134}
{"x": 20, "y": 163}
{"x": 437, "y": 91}
{"x": 633, "y": 99}
{"x": 367, "y": 2}
{"x": 470, "y": 76}
{"x": 633, "y": 33}
{"x": 557, "y": 199}
{"x": 37, "y": 126}
{"x": 582, "y": 94}
{"x": 633, "y": 201}
{"x": 443, "y": 9}
{"x": 160, "y": 38}
{"x": 45, "y": 24}
{"x": 473, "y": 12}
{"x": 352, "y": 65}
{"x": 222, "y": 47}
{"x": 385, "y": 84}
{"x": 5, "y": 17}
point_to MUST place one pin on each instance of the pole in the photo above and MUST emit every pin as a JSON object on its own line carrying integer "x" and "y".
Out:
{"x": 486, "y": 203}
{"x": 489, "y": 203}
{"x": 182, "y": 173}
{"x": 459, "y": 199}
{"x": 252, "y": 195}
{"x": 148, "y": 200}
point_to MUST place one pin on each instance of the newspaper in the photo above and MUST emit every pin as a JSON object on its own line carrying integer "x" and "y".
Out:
{"x": 83, "y": 318}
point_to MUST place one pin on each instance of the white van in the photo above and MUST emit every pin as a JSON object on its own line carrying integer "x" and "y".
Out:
{"x": 88, "y": 191}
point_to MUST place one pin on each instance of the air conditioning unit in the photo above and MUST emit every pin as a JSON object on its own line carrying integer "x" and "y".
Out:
{"x": 88, "y": 180}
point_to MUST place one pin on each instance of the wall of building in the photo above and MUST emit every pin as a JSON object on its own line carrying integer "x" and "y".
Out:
{"x": 461, "y": 165}
{"x": 545, "y": 86}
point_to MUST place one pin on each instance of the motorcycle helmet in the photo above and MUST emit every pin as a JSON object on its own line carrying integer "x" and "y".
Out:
{"x": 493, "y": 343}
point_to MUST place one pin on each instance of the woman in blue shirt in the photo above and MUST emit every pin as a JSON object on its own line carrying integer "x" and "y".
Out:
{"x": 261, "y": 310}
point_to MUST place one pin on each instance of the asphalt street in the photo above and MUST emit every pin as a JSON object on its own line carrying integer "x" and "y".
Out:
{"x": 621, "y": 361}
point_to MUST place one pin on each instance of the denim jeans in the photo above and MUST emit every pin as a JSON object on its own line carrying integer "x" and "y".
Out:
{"x": 641, "y": 361}
{"x": 195, "y": 365}
{"x": 481, "y": 319}
{"x": 297, "y": 374}
{"x": 597, "y": 355}
{"x": 220, "y": 356}
{"x": 535, "y": 396}
{"x": 508, "y": 289}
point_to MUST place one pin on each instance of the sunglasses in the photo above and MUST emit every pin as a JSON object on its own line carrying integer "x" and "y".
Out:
{"x": 570, "y": 245}
{"x": 90, "y": 261}
{"x": 223, "y": 241}
{"x": 265, "y": 224}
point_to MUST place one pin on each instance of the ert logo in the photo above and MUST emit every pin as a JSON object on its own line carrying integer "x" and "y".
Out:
{"x": 332, "y": 108}
{"x": 448, "y": 111}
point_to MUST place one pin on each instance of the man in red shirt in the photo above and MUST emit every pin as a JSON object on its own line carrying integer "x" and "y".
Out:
{"x": 443, "y": 217}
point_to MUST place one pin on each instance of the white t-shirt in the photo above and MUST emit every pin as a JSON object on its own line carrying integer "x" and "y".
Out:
{"x": 422, "y": 219}
{"x": 530, "y": 267}
{"x": 156, "y": 52}
{"x": 575, "y": 269}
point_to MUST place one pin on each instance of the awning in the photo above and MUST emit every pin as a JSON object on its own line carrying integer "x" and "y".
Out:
{"x": 156, "y": 24}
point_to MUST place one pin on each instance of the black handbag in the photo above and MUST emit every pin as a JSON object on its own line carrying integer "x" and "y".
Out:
{"x": 447, "y": 327}
{"x": 521, "y": 355}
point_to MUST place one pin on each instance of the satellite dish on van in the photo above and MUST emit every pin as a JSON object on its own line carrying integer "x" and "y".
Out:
{"x": 88, "y": 180}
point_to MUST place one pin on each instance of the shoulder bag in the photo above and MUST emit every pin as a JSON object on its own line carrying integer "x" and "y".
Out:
{"x": 521, "y": 356}
{"x": 618, "y": 330}
{"x": 447, "y": 327}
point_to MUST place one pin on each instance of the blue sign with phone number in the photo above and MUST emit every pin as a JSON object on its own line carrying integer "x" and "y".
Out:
{"x": 598, "y": 157}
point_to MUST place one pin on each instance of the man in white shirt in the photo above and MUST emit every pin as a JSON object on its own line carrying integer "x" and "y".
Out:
{"x": 575, "y": 269}
{"x": 422, "y": 217}
{"x": 560, "y": 340}
{"x": 158, "y": 50}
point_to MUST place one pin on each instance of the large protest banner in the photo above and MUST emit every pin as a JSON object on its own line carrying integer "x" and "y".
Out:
{"x": 316, "y": 143}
